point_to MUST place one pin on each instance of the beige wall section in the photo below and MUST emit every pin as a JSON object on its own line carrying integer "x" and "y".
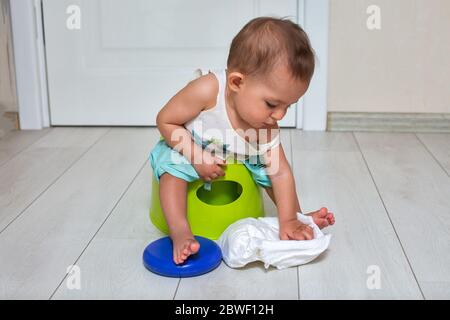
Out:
{"x": 8, "y": 98}
{"x": 404, "y": 67}
{"x": 7, "y": 74}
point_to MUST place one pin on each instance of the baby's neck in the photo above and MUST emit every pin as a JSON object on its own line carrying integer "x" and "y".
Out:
{"x": 237, "y": 122}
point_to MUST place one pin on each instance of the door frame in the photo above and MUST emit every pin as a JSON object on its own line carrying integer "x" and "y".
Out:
{"x": 29, "y": 58}
{"x": 31, "y": 70}
{"x": 316, "y": 23}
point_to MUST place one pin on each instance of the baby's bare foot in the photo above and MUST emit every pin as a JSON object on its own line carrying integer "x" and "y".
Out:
{"x": 322, "y": 218}
{"x": 183, "y": 246}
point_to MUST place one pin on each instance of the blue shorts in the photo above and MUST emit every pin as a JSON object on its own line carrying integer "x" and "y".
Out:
{"x": 163, "y": 159}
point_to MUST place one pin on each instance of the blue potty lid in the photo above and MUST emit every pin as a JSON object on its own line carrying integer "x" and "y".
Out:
{"x": 158, "y": 258}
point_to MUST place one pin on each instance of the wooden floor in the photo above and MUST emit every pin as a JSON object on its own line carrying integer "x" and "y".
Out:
{"x": 80, "y": 196}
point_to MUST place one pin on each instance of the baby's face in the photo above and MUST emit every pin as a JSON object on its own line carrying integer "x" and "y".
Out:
{"x": 262, "y": 102}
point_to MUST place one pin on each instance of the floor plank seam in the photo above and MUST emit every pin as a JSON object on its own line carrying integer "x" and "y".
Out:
{"x": 388, "y": 215}
{"x": 103, "y": 223}
{"x": 51, "y": 184}
{"x": 25, "y": 148}
{"x": 293, "y": 174}
{"x": 431, "y": 153}
{"x": 176, "y": 289}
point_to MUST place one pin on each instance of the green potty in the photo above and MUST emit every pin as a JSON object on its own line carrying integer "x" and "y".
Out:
{"x": 232, "y": 197}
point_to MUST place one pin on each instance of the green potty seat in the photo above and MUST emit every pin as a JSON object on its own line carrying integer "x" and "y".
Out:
{"x": 232, "y": 197}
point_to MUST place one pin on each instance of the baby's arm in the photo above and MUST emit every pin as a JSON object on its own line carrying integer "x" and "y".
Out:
{"x": 283, "y": 186}
{"x": 198, "y": 95}
{"x": 183, "y": 107}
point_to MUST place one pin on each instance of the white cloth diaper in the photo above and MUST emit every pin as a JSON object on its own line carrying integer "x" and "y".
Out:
{"x": 251, "y": 239}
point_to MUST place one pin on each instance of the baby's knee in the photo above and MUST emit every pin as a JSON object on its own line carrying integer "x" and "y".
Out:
{"x": 167, "y": 177}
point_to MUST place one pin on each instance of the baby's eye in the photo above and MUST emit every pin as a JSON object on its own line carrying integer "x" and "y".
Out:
{"x": 270, "y": 105}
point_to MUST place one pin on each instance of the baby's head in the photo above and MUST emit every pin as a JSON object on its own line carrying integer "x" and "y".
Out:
{"x": 270, "y": 66}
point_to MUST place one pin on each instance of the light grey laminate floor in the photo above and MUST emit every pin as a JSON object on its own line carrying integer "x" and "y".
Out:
{"x": 80, "y": 197}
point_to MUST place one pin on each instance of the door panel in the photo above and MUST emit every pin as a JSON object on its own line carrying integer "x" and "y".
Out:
{"x": 128, "y": 58}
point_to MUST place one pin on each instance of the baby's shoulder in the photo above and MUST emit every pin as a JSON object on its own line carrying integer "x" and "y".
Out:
{"x": 207, "y": 87}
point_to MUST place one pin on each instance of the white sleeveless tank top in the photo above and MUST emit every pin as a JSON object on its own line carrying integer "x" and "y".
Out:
{"x": 213, "y": 130}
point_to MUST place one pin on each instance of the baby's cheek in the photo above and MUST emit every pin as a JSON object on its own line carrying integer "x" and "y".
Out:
{"x": 249, "y": 113}
{"x": 258, "y": 116}
{"x": 263, "y": 115}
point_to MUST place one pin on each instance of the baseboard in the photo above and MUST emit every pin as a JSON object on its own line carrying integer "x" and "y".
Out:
{"x": 388, "y": 122}
{"x": 9, "y": 121}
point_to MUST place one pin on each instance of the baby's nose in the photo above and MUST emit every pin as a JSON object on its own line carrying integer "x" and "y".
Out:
{"x": 278, "y": 115}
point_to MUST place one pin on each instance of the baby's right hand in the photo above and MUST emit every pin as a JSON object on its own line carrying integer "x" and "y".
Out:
{"x": 210, "y": 167}
{"x": 295, "y": 230}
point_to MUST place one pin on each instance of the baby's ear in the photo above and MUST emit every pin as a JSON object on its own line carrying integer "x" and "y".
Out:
{"x": 235, "y": 80}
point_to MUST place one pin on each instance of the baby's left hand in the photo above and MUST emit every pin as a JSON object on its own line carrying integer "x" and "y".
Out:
{"x": 295, "y": 230}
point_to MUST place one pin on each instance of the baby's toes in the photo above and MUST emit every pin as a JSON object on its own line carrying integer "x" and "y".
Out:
{"x": 183, "y": 257}
{"x": 194, "y": 247}
{"x": 323, "y": 212}
{"x": 176, "y": 257}
{"x": 330, "y": 218}
{"x": 186, "y": 251}
{"x": 181, "y": 254}
{"x": 320, "y": 214}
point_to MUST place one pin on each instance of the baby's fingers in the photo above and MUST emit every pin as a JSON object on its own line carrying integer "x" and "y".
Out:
{"x": 284, "y": 236}
{"x": 220, "y": 172}
{"x": 309, "y": 235}
{"x": 303, "y": 234}
{"x": 220, "y": 162}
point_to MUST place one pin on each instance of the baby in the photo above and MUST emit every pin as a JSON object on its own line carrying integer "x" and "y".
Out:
{"x": 269, "y": 67}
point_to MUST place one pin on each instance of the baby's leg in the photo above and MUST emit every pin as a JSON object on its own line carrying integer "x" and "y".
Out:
{"x": 172, "y": 194}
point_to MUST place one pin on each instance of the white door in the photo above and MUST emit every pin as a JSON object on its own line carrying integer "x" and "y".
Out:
{"x": 116, "y": 62}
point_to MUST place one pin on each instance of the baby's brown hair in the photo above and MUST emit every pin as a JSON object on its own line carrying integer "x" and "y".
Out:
{"x": 265, "y": 42}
